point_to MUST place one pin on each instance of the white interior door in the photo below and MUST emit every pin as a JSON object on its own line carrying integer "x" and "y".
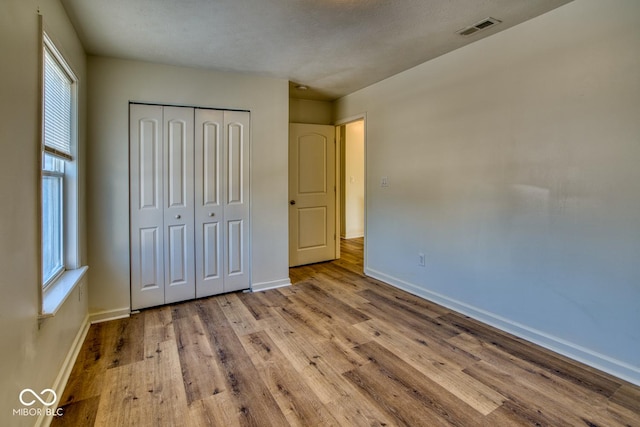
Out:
{"x": 222, "y": 201}
{"x": 179, "y": 242}
{"x": 312, "y": 193}
{"x": 147, "y": 205}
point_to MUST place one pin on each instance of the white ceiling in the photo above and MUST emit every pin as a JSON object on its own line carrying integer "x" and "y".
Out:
{"x": 334, "y": 47}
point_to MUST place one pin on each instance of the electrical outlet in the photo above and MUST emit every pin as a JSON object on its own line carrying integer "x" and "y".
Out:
{"x": 421, "y": 260}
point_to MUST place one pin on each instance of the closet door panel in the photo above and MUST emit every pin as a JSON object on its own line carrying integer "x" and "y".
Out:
{"x": 148, "y": 268}
{"x": 235, "y": 163}
{"x": 146, "y": 205}
{"x": 179, "y": 204}
{"x": 235, "y": 248}
{"x": 211, "y": 251}
{"x": 236, "y": 200}
{"x": 209, "y": 209}
{"x": 178, "y": 256}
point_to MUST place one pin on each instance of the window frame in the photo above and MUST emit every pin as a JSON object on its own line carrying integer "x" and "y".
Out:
{"x": 53, "y": 292}
{"x": 59, "y": 270}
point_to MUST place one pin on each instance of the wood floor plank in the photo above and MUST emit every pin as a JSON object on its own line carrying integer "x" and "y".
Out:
{"x": 446, "y": 407}
{"x": 145, "y": 393}
{"x": 411, "y": 302}
{"x": 431, "y": 351}
{"x": 547, "y": 407}
{"x": 302, "y": 353}
{"x": 455, "y": 355}
{"x": 158, "y": 327}
{"x": 623, "y": 415}
{"x": 182, "y": 310}
{"x": 627, "y": 396}
{"x": 296, "y": 314}
{"x": 393, "y": 400}
{"x": 339, "y": 309}
{"x": 254, "y": 405}
{"x": 165, "y": 389}
{"x": 216, "y": 410}
{"x": 87, "y": 375}
{"x": 414, "y": 319}
{"x": 590, "y": 404}
{"x": 350, "y": 280}
{"x": 555, "y": 387}
{"x": 252, "y": 302}
{"x": 118, "y": 404}
{"x": 594, "y": 407}
{"x": 538, "y": 378}
{"x": 352, "y": 411}
{"x": 434, "y": 365}
{"x": 552, "y": 362}
{"x": 273, "y": 299}
{"x": 296, "y": 399}
{"x": 520, "y": 414}
{"x": 338, "y": 289}
{"x": 238, "y": 315}
{"x": 200, "y": 373}
{"x": 338, "y": 334}
{"x": 129, "y": 346}
{"x": 332, "y": 338}
{"x": 78, "y": 413}
{"x": 342, "y": 355}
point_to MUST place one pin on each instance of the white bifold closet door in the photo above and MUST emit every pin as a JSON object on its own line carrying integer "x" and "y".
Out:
{"x": 189, "y": 203}
{"x": 222, "y": 201}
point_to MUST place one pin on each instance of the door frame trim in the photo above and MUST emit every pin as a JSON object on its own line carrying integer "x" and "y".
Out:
{"x": 338, "y": 124}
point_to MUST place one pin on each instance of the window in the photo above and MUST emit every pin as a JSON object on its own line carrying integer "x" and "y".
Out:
{"x": 58, "y": 207}
{"x": 52, "y": 217}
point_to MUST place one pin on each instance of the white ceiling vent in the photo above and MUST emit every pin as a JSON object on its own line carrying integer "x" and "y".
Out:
{"x": 479, "y": 26}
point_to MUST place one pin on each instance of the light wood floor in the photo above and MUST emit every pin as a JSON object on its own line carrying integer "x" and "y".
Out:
{"x": 337, "y": 348}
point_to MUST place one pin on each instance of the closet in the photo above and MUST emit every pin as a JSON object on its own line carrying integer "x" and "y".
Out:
{"x": 189, "y": 203}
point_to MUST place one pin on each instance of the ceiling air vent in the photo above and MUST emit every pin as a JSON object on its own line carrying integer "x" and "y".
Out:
{"x": 479, "y": 26}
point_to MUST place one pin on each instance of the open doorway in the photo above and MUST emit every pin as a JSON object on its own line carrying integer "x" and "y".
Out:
{"x": 352, "y": 178}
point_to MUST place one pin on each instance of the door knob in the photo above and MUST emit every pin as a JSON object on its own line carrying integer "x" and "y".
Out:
{"x": 292, "y": 202}
{"x": 212, "y": 214}
{"x": 178, "y": 217}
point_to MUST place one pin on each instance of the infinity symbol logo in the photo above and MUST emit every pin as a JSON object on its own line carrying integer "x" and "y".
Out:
{"x": 37, "y": 397}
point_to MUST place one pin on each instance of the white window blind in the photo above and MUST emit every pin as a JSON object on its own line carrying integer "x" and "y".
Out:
{"x": 57, "y": 107}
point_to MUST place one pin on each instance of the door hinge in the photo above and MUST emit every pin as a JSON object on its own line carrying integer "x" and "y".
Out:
{"x": 334, "y": 236}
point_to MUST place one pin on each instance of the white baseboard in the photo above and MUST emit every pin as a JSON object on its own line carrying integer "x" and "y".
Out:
{"x": 103, "y": 316}
{"x": 574, "y": 351}
{"x": 263, "y": 286}
{"x": 65, "y": 371}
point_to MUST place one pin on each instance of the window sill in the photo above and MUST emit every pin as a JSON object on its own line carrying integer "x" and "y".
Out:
{"x": 56, "y": 294}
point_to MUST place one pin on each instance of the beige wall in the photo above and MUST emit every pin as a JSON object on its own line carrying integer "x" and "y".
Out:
{"x": 513, "y": 166}
{"x": 113, "y": 83}
{"x": 31, "y": 355}
{"x": 310, "y": 111}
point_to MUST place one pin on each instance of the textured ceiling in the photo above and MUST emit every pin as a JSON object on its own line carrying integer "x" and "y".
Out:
{"x": 334, "y": 47}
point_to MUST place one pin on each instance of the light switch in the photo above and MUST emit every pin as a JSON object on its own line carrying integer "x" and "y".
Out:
{"x": 384, "y": 182}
